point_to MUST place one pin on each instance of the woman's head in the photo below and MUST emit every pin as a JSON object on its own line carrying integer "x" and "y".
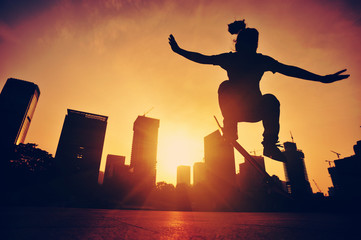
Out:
{"x": 247, "y": 38}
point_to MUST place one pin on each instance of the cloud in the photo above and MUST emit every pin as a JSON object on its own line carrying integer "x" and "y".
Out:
{"x": 15, "y": 11}
{"x": 6, "y": 34}
{"x": 354, "y": 5}
{"x": 82, "y": 15}
{"x": 351, "y": 9}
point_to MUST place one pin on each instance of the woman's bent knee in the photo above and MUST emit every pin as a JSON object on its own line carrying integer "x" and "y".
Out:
{"x": 271, "y": 100}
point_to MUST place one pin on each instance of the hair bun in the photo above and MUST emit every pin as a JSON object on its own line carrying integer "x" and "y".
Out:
{"x": 236, "y": 27}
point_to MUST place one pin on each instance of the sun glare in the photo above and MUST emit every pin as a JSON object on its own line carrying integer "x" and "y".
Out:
{"x": 177, "y": 149}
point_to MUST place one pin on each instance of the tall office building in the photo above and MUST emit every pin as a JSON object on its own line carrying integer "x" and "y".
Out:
{"x": 81, "y": 142}
{"x": 144, "y": 152}
{"x": 295, "y": 171}
{"x": 202, "y": 191}
{"x": 184, "y": 175}
{"x": 219, "y": 159}
{"x": 117, "y": 176}
{"x": 220, "y": 169}
{"x": 199, "y": 173}
{"x": 18, "y": 100}
{"x": 249, "y": 178}
{"x": 346, "y": 177}
{"x": 113, "y": 165}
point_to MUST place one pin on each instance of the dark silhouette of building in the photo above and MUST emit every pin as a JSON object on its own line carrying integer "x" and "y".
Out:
{"x": 113, "y": 166}
{"x": 257, "y": 192}
{"x": 199, "y": 173}
{"x": 144, "y": 153}
{"x": 18, "y": 100}
{"x": 295, "y": 171}
{"x": 81, "y": 143}
{"x": 201, "y": 189}
{"x": 184, "y": 175}
{"x": 346, "y": 176}
{"x": 183, "y": 193}
{"x": 116, "y": 172}
{"x": 335, "y": 181}
{"x": 220, "y": 170}
{"x": 249, "y": 178}
{"x": 117, "y": 178}
{"x": 101, "y": 177}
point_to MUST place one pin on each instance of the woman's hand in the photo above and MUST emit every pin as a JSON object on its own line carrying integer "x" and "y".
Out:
{"x": 173, "y": 44}
{"x": 193, "y": 56}
{"x": 334, "y": 77}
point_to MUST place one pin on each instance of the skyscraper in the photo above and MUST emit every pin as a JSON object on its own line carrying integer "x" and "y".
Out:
{"x": 219, "y": 159}
{"x": 295, "y": 171}
{"x": 113, "y": 166}
{"x": 220, "y": 169}
{"x": 199, "y": 173}
{"x": 249, "y": 178}
{"x": 81, "y": 142}
{"x": 117, "y": 177}
{"x": 202, "y": 191}
{"x": 346, "y": 177}
{"x": 18, "y": 100}
{"x": 144, "y": 152}
{"x": 184, "y": 175}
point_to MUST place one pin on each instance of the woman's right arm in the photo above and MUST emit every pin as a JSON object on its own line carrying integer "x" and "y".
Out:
{"x": 193, "y": 56}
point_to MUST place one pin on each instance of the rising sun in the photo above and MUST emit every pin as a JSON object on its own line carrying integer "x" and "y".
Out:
{"x": 178, "y": 148}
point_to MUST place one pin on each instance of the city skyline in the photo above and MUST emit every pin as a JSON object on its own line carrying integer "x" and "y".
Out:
{"x": 99, "y": 63}
{"x": 142, "y": 124}
{"x": 81, "y": 144}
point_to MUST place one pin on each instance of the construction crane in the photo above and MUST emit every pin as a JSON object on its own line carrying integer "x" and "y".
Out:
{"x": 254, "y": 152}
{"x": 329, "y": 162}
{"x": 148, "y": 111}
{"x": 317, "y": 186}
{"x": 338, "y": 154}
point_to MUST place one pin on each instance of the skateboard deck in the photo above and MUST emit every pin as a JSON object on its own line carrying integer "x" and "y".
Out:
{"x": 268, "y": 179}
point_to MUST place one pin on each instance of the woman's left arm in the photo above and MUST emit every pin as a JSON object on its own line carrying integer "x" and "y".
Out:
{"x": 297, "y": 72}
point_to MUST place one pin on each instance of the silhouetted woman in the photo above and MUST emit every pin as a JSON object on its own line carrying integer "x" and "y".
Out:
{"x": 240, "y": 98}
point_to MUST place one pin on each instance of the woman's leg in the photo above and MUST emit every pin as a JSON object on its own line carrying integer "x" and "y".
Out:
{"x": 227, "y": 100}
{"x": 270, "y": 108}
{"x": 270, "y": 118}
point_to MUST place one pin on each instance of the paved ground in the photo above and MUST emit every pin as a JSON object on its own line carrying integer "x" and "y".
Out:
{"x": 67, "y": 223}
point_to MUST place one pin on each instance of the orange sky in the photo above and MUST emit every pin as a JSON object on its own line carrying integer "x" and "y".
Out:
{"x": 112, "y": 58}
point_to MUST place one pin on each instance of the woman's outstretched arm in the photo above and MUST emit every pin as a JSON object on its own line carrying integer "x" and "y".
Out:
{"x": 297, "y": 72}
{"x": 193, "y": 56}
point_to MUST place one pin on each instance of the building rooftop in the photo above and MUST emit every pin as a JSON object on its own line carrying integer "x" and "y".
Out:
{"x": 88, "y": 115}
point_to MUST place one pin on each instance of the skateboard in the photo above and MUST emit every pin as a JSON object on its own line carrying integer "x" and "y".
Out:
{"x": 268, "y": 179}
